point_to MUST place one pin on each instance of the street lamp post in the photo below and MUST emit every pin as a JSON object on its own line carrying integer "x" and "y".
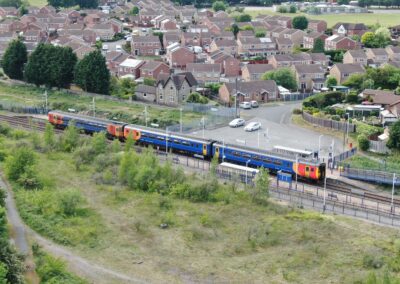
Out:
{"x": 297, "y": 167}
{"x": 319, "y": 144}
{"x": 247, "y": 163}
{"x": 347, "y": 127}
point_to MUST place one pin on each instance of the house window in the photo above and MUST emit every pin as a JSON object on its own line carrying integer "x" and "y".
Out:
{"x": 171, "y": 99}
{"x": 172, "y": 88}
{"x": 161, "y": 97}
{"x": 144, "y": 95}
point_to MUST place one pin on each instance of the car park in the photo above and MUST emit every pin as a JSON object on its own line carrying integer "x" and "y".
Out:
{"x": 237, "y": 122}
{"x": 252, "y": 126}
{"x": 245, "y": 105}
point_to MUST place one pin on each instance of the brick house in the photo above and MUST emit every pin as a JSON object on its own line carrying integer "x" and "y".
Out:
{"x": 174, "y": 89}
{"x": 261, "y": 91}
{"x": 230, "y": 65}
{"x": 253, "y": 46}
{"x": 146, "y": 93}
{"x": 178, "y": 56}
{"x": 287, "y": 60}
{"x": 8, "y": 12}
{"x": 152, "y": 69}
{"x": 254, "y": 72}
{"x": 319, "y": 26}
{"x": 349, "y": 29}
{"x": 167, "y": 25}
{"x": 9, "y": 25}
{"x": 170, "y": 38}
{"x": 103, "y": 31}
{"x": 309, "y": 77}
{"x": 7, "y": 37}
{"x": 336, "y": 42}
{"x": 113, "y": 59}
{"x": 296, "y": 36}
{"x": 284, "y": 45}
{"x": 227, "y": 46}
{"x": 190, "y": 39}
{"x": 205, "y": 73}
{"x": 393, "y": 53}
{"x": 377, "y": 56}
{"x": 145, "y": 45}
{"x": 309, "y": 39}
{"x": 130, "y": 67}
{"x": 343, "y": 71}
{"x": 34, "y": 36}
{"x": 320, "y": 59}
{"x": 355, "y": 56}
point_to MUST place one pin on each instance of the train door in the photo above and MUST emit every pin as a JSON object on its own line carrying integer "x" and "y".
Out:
{"x": 204, "y": 149}
{"x": 217, "y": 151}
{"x": 307, "y": 171}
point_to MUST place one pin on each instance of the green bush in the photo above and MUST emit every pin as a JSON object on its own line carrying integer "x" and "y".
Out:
{"x": 197, "y": 98}
{"x": 297, "y": 111}
{"x": 324, "y": 100}
{"x": 363, "y": 142}
{"x": 70, "y": 202}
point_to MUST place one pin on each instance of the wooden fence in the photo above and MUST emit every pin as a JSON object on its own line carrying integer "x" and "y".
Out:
{"x": 329, "y": 123}
{"x": 378, "y": 147}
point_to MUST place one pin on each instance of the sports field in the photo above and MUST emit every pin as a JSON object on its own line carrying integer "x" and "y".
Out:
{"x": 385, "y": 19}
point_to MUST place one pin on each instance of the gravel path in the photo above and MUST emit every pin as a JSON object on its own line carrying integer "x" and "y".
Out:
{"x": 83, "y": 267}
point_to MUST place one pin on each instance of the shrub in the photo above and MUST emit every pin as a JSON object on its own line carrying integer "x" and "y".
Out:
{"x": 363, "y": 142}
{"x": 70, "y": 201}
{"x": 297, "y": 111}
{"x": 335, "y": 117}
{"x": 197, "y": 98}
{"x": 17, "y": 164}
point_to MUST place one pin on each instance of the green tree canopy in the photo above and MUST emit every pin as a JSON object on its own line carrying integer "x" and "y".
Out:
{"x": 14, "y": 60}
{"x": 10, "y": 3}
{"x": 219, "y": 6}
{"x": 283, "y": 77}
{"x": 134, "y": 11}
{"x": 319, "y": 46}
{"x": 243, "y": 18}
{"x": 51, "y": 66}
{"x": 300, "y": 22}
{"x": 394, "y": 136}
{"x": 330, "y": 81}
{"x": 92, "y": 74}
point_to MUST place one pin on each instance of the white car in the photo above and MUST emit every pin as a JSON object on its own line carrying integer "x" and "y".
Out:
{"x": 254, "y": 104}
{"x": 245, "y": 105}
{"x": 118, "y": 48}
{"x": 252, "y": 126}
{"x": 237, "y": 122}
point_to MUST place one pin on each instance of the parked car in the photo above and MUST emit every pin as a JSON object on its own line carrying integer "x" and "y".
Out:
{"x": 237, "y": 122}
{"x": 245, "y": 105}
{"x": 254, "y": 104}
{"x": 252, "y": 126}
{"x": 105, "y": 47}
{"x": 118, "y": 48}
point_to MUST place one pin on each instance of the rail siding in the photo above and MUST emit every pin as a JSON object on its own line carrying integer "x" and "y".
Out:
{"x": 329, "y": 123}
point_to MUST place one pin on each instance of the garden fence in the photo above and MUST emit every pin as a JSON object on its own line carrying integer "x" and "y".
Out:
{"x": 378, "y": 147}
{"x": 329, "y": 123}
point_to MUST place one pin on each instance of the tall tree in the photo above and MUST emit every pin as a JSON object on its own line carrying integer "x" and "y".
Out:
{"x": 283, "y": 77}
{"x": 219, "y": 6}
{"x": 10, "y": 3}
{"x": 37, "y": 71}
{"x": 63, "y": 61}
{"x": 319, "y": 46}
{"x": 14, "y": 60}
{"x": 92, "y": 74}
{"x": 87, "y": 3}
{"x": 394, "y": 136}
{"x": 300, "y": 22}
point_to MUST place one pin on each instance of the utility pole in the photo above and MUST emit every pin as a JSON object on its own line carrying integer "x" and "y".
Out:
{"x": 46, "y": 100}
{"x": 180, "y": 120}
{"x": 145, "y": 115}
{"x": 324, "y": 207}
{"x": 94, "y": 107}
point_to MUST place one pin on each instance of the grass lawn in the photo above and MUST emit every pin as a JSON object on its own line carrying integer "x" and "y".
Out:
{"x": 132, "y": 113}
{"x": 38, "y": 3}
{"x": 368, "y": 19}
{"x": 232, "y": 240}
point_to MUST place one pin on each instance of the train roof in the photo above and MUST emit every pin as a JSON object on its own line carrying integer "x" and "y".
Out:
{"x": 293, "y": 150}
{"x": 273, "y": 154}
{"x": 238, "y": 167}
{"x": 88, "y": 118}
{"x": 149, "y": 129}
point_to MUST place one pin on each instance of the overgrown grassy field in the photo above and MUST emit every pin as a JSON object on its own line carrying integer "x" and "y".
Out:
{"x": 368, "y": 19}
{"x": 227, "y": 238}
{"x": 38, "y": 3}
{"x": 389, "y": 163}
{"x": 133, "y": 113}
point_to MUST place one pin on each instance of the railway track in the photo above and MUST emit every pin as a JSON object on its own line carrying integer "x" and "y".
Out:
{"x": 29, "y": 123}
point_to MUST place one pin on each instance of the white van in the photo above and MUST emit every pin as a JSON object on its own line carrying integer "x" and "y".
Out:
{"x": 118, "y": 48}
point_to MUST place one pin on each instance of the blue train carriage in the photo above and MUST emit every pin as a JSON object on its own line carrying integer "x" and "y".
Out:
{"x": 252, "y": 157}
{"x": 86, "y": 123}
{"x": 178, "y": 143}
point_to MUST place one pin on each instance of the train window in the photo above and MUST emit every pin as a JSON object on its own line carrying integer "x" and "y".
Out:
{"x": 267, "y": 160}
{"x": 307, "y": 169}
{"x": 247, "y": 156}
{"x": 277, "y": 162}
{"x": 257, "y": 158}
{"x": 186, "y": 143}
{"x": 312, "y": 169}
